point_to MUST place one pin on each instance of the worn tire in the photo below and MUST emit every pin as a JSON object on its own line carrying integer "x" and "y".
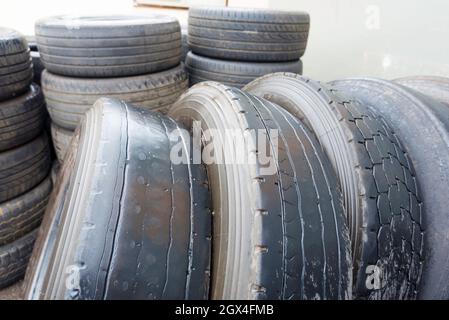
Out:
{"x": 232, "y": 73}
{"x": 278, "y": 234}
{"x": 423, "y": 127}
{"x": 61, "y": 140}
{"x": 248, "y": 34}
{"x": 108, "y": 46}
{"x": 380, "y": 192}
{"x": 24, "y": 167}
{"x": 184, "y": 44}
{"x": 21, "y": 118}
{"x": 68, "y": 99}
{"x": 16, "y": 72}
{"x": 123, "y": 214}
{"x": 434, "y": 87}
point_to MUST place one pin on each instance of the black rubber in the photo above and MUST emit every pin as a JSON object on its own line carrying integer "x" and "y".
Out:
{"x": 248, "y": 34}
{"x": 14, "y": 259}
{"x": 278, "y": 233}
{"x": 124, "y": 222}
{"x": 24, "y": 167}
{"x": 434, "y": 87}
{"x": 108, "y": 46}
{"x": 69, "y": 98}
{"x": 184, "y": 44}
{"x": 16, "y": 72}
{"x": 233, "y": 73}
{"x": 21, "y": 118}
{"x": 61, "y": 140}
{"x": 423, "y": 127}
{"x": 378, "y": 181}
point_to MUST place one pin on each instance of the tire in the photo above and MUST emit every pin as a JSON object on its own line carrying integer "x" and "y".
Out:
{"x": 185, "y": 45}
{"x": 38, "y": 66}
{"x": 278, "y": 234}
{"x": 61, "y": 140}
{"x": 434, "y": 87}
{"x": 21, "y": 118}
{"x": 14, "y": 258}
{"x": 55, "y": 171}
{"x": 108, "y": 46}
{"x": 16, "y": 71}
{"x": 380, "y": 192}
{"x": 231, "y": 73}
{"x": 69, "y": 98}
{"x": 248, "y": 34}
{"x": 23, "y": 214}
{"x": 22, "y": 168}
{"x": 122, "y": 213}
{"x": 423, "y": 127}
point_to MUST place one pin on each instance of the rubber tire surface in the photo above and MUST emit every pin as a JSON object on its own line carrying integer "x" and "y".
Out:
{"x": 378, "y": 181}
{"x": 69, "y": 98}
{"x": 24, "y": 167}
{"x": 276, "y": 236}
{"x": 248, "y": 34}
{"x": 21, "y": 118}
{"x": 132, "y": 225}
{"x": 16, "y": 72}
{"x": 423, "y": 126}
{"x": 108, "y": 46}
{"x": 434, "y": 87}
{"x": 38, "y": 66}
{"x": 232, "y": 73}
{"x": 61, "y": 140}
{"x": 185, "y": 45}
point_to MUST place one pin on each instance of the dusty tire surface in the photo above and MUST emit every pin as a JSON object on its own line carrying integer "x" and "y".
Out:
{"x": 434, "y": 87}
{"x": 16, "y": 72}
{"x": 108, "y": 46}
{"x": 21, "y": 118}
{"x": 24, "y": 167}
{"x": 248, "y": 34}
{"x": 68, "y": 98}
{"x": 61, "y": 140}
{"x": 132, "y": 224}
{"x": 279, "y": 234}
{"x": 422, "y": 124}
{"x": 380, "y": 192}
{"x": 233, "y": 73}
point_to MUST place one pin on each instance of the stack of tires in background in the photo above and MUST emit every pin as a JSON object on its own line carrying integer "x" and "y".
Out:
{"x": 234, "y": 46}
{"x": 133, "y": 58}
{"x": 25, "y": 157}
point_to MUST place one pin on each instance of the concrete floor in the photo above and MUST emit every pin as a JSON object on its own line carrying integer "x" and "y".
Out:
{"x": 13, "y": 292}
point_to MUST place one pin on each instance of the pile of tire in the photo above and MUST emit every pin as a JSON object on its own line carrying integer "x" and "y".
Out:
{"x": 25, "y": 157}
{"x": 234, "y": 46}
{"x": 135, "y": 58}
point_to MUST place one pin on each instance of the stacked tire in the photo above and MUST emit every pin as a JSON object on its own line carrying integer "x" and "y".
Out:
{"x": 234, "y": 46}
{"x": 25, "y": 157}
{"x": 132, "y": 58}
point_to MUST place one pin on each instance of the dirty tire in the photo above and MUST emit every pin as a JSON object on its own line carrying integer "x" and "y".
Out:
{"x": 434, "y": 87}
{"x": 128, "y": 217}
{"x": 276, "y": 236}
{"x": 21, "y": 118}
{"x": 16, "y": 72}
{"x": 24, "y": 167}
{"x": 233, "y": 73}
{"x": 380, "y": 193}
{"x": 61, "y": 140}
{"x": 55, "y": 171}
{"x": 14, "y": 259}
{"x": 23, "y": 214}
{"x": 248, "y": 34}
{"x": 185, "y": 45}
{"x": 108, "y": 46}
{"x": 423, "y": 127}
{"x": 38, "y": 66}
{"x": 68, "y": 98}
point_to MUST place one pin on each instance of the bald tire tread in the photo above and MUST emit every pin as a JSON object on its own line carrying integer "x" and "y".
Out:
{"x": 128, "y": 222}
{"x": 69, "y": 98}
{"x": 276, "y": 236}
{"x": 233, "y": 73}
{"x": 432, "y": 86}
{"x": 61, "y": 140}
{"x": 380, "y": 191}
{"x": 248, "y": 34}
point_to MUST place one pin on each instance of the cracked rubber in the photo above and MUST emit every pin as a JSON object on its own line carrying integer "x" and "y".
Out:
{"x": 380, "y": 192}
{"x": 21, "y": 118}
{"x": 124, "y": 222}
{"x": 61, "y": 140}
{"x": 233, "y": 73}
{"x": 281, "y": 233}
{"x": 434, "y": 87}
{"x": 24, "y": 167}
{"x": 422, "y": 124}
{"x": 69, "y": 98}
{"x": 248, "y": 34}
{"x": 108, "y": 46}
